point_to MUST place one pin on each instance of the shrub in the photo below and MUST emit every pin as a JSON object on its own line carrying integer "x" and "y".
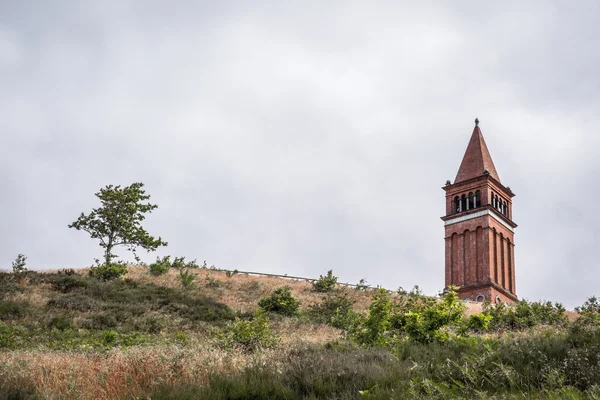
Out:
{"x": 333, "y": 310}
{"x": 589, "y": 312}
{"x": 109, "y": 338}
{"x": 248, "y": 335}
{"x": 280, "y": 301}
{"x": 61, "y": 322}
{"x": 107, "y": 272}
{"x": 74, "y": 302}
{"x": 374, "y": 329}
{"x": 476, "y": 323}
{"x": 13, "y": 310}
{"x": 179, "y": 263}
{"x": 160, "y": 266}
{"x": 428, "y": 324}
{"x": 18, "y": 266}
{"x": 524, "y": 314}
{"x": 66, "y": 271}
{"x": 153, "y": 324}
{"x": 229, "y": 274}
{"x": 362, "y": 285}
{"x": 325, "y": 283}
{"x": 187, "y": 278}
{"x": 101, "y": 322}
{"x": 66, "y": 284}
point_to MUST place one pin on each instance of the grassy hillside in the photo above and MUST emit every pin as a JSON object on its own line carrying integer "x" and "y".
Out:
{"x": 66, "y": 335}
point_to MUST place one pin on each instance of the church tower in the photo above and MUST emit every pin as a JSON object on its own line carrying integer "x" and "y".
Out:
{"x": 479, "y": 228}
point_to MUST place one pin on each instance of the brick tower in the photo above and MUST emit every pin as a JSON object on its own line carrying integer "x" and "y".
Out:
{"x": 479, "y": 228}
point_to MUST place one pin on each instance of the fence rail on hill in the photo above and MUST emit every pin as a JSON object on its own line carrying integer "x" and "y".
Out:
{"x": 300, "y": 278}
{"x": 297, "y": 278}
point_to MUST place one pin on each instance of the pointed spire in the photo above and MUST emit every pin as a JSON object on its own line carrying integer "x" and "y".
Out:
{"x": 477, "y": 160}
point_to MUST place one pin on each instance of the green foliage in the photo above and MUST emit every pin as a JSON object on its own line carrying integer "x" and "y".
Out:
{"x": 334, "y": 310}
{"x": 108, "y": 271}
{"x": 117, "y": 222}
{"x": 101, "y": 321}
{"x": 248, "y": 335}
{"x": 66, "y": 284}
{"x": 161, "y": 266}
{"x": 280, "y": 301}
{"x": 18, "y": 266}
{"x": 524, "y": 315}
{"x": 13, "y": 310}
{"x": 374, "y": 329}
{"x": 362, "y": 285}
{"x": 61, "y": 322}
{"x": 187, "y": 278}
{"x": 589, "y": 312}
{"x": 429, "y": 323}
{"x": 325, "y": 283}
{"x": 180, "y": 263}
{"x": 476, "y": 323}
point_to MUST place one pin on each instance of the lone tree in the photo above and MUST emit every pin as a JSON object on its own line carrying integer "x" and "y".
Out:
{"x": 117, "y": 222}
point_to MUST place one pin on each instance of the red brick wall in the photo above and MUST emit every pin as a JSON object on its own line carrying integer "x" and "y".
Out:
{"x": 480, "y": 251}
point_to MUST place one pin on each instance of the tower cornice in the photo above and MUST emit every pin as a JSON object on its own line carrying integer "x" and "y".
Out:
{"x": 483, "y": 178}
{"x": 479, "y": 212}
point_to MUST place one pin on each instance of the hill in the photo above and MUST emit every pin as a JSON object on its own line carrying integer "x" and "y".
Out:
{"x": 64, "y": 334}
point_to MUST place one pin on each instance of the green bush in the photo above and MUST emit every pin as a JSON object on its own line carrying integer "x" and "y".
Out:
{"x": 107, "y": 272}
{"x": 160, "y": 266}
{"x": 589, "y": 312}
{"x": 334, "y": 310}
{"x": 374, "y": 330}
{"x": 248, "y": 335}
{"x": 476, "y": 323}
{"x": 179, "y": 263}
{"x": 18, "y": 266}
{"x": 431, "y": 322}
{"x": 13, "y": 310}
{"x": 187, "y": 278}
{"x": 101, "y": 322}
{"x": 280, "y": 301}
{"x": 75, "y": 302}
{"x": 66, "y": 284}
{"x": 152, "y": 324}
{"x": 325, "y": 283}
{"x": 524, "y": 315}
{"x": 61, "y": 322}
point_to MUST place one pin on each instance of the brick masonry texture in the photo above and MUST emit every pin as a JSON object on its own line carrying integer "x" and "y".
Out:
{"x": 480, "y": 248}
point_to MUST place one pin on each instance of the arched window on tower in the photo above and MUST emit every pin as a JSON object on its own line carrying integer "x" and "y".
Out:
{"x": 476, "y": 199}
{"x": 463, "y": 200}
{"x": 470, "y": 201}
{"x": 456, "y": 204}
{"x": 493, "y": 200}
{"x": 504, "y": 209}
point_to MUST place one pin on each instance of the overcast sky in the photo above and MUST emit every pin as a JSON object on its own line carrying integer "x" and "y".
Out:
{"x": 297, "y": 137}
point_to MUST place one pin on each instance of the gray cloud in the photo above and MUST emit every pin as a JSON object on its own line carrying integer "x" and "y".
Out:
{"x": 299, "y": 138}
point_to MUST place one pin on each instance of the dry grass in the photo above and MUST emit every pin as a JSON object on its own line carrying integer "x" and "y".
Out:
{"x": 122, "y": 373}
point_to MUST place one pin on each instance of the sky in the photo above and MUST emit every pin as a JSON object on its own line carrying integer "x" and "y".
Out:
{"x": 298, "y": 137}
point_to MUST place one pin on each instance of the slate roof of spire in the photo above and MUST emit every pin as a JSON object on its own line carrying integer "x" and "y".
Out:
{"x": 476, "y": 159}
